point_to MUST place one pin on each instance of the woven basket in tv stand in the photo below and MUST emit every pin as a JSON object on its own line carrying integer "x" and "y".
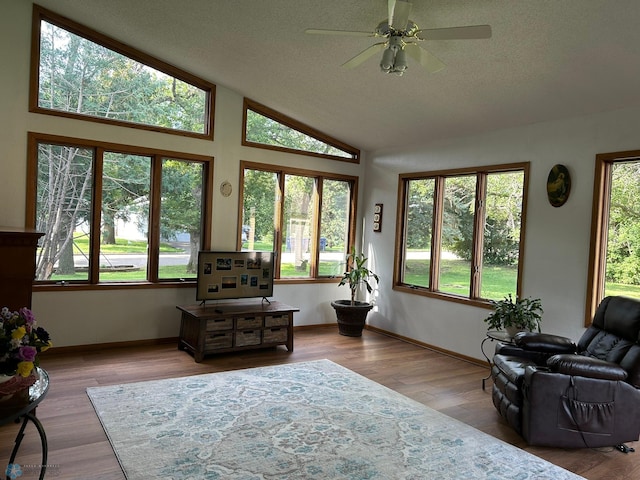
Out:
{"x": 229, "y": 327}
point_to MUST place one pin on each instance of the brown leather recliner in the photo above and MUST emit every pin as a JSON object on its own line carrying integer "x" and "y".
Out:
{"x": 556, "y": 393}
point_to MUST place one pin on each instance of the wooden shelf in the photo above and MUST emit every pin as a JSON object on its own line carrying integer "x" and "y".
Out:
{"x": 18, "y": 260}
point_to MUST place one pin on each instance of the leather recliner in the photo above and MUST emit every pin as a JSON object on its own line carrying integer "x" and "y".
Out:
{"x": 556, "y": 393}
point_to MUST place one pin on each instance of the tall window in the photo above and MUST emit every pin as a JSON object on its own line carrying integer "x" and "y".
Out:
{"x": 615, "y": 246}
{"x": 267, "y": 128}
{"x": 113, "y": 213}
{"x": 305, "y": 216}
{"x": 81, "y": 73}
{"x": 461, "y": 232}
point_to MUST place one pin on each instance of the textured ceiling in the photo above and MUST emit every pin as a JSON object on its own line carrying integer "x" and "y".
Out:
{"x": 547, "y": 59}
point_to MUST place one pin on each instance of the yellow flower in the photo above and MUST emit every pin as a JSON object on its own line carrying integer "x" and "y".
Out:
{"x": 18, "y": 333}
{"x": 24, "y": 368}
{"x": 46, "y": 347}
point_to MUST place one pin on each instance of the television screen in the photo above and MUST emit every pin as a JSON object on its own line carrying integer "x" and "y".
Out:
{"x": 234, "y": 275}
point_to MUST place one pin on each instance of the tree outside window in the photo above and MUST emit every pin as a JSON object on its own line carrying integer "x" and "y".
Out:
{"x": 462, "y": 232}
{"x": 86, "y": 75}
{"x": 145, "y": 221}
{"x": 267, "y": 128}
{"x": 304, "y": 216}
{"x": 614, "y": 262}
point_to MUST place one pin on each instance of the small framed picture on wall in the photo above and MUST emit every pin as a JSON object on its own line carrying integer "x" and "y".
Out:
{"x": 377, "y": 217}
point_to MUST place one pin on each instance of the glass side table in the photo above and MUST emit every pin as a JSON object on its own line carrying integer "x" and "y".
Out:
{"x": 27, "y": 413}
{"x": 493, "y": 336}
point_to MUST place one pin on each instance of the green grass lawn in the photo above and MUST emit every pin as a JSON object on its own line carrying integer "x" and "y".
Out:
{"x": 122, "y": 247}
{"x": 622, "y": 289}
{"x": 497, "y": 281}
{"x": 170, "y": 271}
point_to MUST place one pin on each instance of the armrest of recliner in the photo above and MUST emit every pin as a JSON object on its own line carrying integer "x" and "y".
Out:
{"x": 511, "y": 350}
{"x": 544, "y": 343}
{"x": 581, "y": 366}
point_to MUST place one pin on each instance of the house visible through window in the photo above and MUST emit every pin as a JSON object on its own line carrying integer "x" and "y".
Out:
{"x": 461, "y": 232}
{"x": 307, "y": 217}
{"x": 615, "y": 246}
{"x": 83, "y": 74}
{"x": 113, "y": 213}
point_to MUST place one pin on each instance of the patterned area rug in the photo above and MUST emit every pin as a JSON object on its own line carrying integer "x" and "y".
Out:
{"x": 312, "y": 420}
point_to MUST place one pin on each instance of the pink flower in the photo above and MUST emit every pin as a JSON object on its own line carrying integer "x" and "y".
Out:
{"x": 27, "y": 353}
{"x": 28, "y": 316}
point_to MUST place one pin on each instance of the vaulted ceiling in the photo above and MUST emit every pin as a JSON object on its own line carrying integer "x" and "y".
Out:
{"x": 547, "y": 59}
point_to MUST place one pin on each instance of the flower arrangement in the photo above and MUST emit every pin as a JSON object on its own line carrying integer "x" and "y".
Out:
{"x": 21, "y": 340}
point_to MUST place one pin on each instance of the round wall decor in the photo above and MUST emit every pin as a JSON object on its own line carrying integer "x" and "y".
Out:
{"x": 558, "y": 185}
{"x": 225, "y": 188}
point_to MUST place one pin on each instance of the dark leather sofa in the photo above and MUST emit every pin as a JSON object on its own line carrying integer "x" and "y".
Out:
{"x": 556, "y": 393}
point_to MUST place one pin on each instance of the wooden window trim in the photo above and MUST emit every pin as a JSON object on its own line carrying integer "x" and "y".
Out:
{"x": 40, "y": 13}
{"x": 281, "y": 171}
{"x": 439, "y": 176}
{"x": 92, "y": 283}
{"x": 296, "y": 125}
{"x": 599, "y": 225}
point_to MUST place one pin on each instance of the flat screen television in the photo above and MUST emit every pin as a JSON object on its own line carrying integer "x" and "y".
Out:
{"x": 223, "y": 275}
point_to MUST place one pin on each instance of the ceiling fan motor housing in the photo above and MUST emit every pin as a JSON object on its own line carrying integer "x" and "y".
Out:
{"x": 385, "y": 30}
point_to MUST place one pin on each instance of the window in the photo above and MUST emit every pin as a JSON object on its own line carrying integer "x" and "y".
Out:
{"x": 116, "y": 214}
{"x": 614, "y": 261}
{"x": 82, "y": 74}
{"x": 266, "y": 128}
{"x": 461, "y": 232}
{"x": 305, "y": 216}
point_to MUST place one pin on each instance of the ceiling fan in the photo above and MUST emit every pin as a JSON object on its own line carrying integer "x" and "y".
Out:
{"x": 401, "y": 39}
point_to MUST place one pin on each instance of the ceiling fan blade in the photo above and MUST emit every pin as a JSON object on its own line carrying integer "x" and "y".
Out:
{"x": 455, "y": 33}
{"x": 400, "y": 16}
{"x": 425, "y": 58}
{"x": 315, "y": 31}
{"x": 364, "y": 55}
{"x": 391, "y": 7}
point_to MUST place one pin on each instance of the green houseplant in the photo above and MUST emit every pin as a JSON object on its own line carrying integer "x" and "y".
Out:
{"x": 523, "y": 314}
{"x": 352, "y": 314}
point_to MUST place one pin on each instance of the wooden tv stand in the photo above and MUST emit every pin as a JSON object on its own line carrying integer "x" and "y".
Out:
{"x": 229, "y": 327}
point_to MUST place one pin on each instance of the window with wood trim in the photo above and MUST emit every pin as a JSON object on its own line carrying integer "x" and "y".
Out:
{"x": 266, "y": 128}
{"x": 116, "y": 214}
{"x": 80, "y": 73}
{"x": 614, "y": 261}
{"x": 305, "y": 216}
{"x": 460, "y": 232}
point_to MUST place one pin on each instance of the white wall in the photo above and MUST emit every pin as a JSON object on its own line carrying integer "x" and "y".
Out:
{"x": 99, "y": 316}
{"x": 557, "y": 239}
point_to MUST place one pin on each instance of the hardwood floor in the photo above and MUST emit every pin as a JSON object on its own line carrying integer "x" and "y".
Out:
{"x": 79, "y": 449}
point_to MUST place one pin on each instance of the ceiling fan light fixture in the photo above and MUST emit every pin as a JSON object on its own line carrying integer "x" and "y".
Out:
{"x": 386, "y": 64}
{"x": 400, "y": 64}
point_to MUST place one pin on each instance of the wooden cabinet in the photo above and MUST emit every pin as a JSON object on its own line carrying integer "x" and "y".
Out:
{"x": 17, "y": 266}
{"x": 229, "y": 327}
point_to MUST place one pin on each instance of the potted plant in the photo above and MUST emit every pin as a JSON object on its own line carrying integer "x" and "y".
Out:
{"x": 351, "y": 314}
{"x": 523, "y": 314}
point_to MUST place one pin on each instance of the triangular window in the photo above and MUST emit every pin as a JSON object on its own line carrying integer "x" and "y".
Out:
{"x": 266, "y": 128}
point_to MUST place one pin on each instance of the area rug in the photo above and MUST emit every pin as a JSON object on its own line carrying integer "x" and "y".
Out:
{"x": 311, "y": 420}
